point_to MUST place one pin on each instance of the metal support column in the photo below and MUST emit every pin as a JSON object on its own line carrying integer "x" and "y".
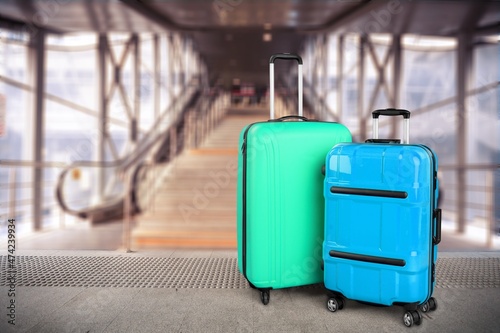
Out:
{"x": 172, "y": 66}
{"x": 324, "y": 60}
{"x": 37, "y": 70}
{"x": 340, "y": 75}
{"x": 315, "y": 68}
{"x": 396, "y": 80}
{"x": 134, "y": 121}
{"x": 183, "y": 57}
{"x": 464, "y": 67}
{"x": 157, "y": 75}
{"x": 361, "y": 88}
{"x": 102, "y": 121}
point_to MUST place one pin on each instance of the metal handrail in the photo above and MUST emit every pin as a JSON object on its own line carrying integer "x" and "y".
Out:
{"x": 318, "y": 102}
{"x": 472, "y": 166}
{"x": 157, "y": 133}
{"x": 315, "y": 101}
{"x": 205, "y": 114}
{"x": 24, "y": 163}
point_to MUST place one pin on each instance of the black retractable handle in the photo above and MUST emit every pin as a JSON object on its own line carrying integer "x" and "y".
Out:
{"x": 392, "y": 113}
{"x": 284, "y": 56}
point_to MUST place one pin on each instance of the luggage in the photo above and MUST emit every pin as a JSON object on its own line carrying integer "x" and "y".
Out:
{"x": 382, "y": 226}
{"x": 280, "y": 206}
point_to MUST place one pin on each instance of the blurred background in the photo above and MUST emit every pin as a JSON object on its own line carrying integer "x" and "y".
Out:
{"x": 119, "y": 120}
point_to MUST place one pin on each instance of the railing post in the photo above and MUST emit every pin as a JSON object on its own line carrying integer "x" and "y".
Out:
{"x": 127, "y": 212}
{"x": 490, "y": 207}
{"x": 152, "y": 191}
{"x": 173, "y": 143}
{"x": 62, "y": 220}
{"x": 12, "y": 193}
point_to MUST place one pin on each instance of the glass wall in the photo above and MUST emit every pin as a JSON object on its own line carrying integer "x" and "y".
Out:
{"x": 428, "y": 87}
{"x": 15, "y": 122}
{"x": 71, "y": 110}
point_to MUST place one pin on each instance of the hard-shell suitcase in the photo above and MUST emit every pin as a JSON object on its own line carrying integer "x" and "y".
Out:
{"x": 382, "y": 225}
{"x": 280, "y": 206}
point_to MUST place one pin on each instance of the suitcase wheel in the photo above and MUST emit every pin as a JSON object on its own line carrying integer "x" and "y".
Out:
{"x": 412, "y": 317}
{"x": 430, "y": 305}
{"x": 264, "y": 296}
{"x": 335, "y": 303}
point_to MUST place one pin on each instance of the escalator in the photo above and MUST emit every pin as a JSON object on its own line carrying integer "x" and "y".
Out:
{"x": 120, "y": 178}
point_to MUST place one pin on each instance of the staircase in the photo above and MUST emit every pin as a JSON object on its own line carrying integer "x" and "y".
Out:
{"x": 195, "y": 206}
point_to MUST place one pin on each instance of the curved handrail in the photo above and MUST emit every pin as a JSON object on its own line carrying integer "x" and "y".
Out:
{"x": 61, "y": 181}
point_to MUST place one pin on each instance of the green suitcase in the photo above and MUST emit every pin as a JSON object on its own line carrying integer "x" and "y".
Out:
{"x": 280, "y": 205}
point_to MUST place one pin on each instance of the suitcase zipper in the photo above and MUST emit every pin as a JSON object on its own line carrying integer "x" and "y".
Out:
{"x": 434, "y": 212}
{"x": 244, "y": 202}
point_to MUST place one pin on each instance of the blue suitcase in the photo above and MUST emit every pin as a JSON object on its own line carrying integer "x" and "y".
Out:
{"x": 382, "y": 225}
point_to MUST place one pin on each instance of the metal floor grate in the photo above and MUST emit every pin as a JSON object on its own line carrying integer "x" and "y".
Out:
{"x": 468, "y": 273}
{"x": 153, "y": 272}
{"x": 139, "y": 272}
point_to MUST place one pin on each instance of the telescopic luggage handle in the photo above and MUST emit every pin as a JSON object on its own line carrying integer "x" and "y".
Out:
{"x": 393, "y": 113}
{"x": 285, "y": 56}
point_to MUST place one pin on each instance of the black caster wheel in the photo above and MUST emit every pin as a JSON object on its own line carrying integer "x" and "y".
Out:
{"x": 411, "y": 317}
{"x": 430, "y": 305}
{"x": 264, "y": 297}
{"x": 334, "y": 303}
{"x": 425, "y": 307}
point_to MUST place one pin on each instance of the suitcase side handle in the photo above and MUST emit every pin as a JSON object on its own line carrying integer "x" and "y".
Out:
{"x": 284, "y": 56}
{"x": 437, "y": 239}
{"x": 393, "y": 113}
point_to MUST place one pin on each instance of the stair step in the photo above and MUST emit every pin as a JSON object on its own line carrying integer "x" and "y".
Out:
{"x": 184, "y": 239}
{"x": 195, "y": 206}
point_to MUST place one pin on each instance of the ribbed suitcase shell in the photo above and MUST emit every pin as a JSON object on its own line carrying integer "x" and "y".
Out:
{"x": 369, "y": 220}
{"x": 280, "y": 207}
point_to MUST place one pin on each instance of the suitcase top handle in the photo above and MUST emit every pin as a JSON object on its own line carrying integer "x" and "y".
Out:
{"x": 393, "y": 113}
{"x": 285, "y": 56}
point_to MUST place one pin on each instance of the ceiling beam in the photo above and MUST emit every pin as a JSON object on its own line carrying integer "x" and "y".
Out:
{"x": 150, "y": 13}
{"x": 338, "y": 21}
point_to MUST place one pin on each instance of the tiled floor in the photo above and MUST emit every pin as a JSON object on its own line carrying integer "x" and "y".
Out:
{"x": 461, "y": 307}
{"x": 138, "y": 309}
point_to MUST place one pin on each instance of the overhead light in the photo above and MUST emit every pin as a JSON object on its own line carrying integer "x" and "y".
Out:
{"x": 429, "y": 41}
{"x": 267, "y": 37}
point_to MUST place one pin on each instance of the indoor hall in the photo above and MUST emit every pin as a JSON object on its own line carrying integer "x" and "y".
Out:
{"x": 119, "y": 144}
